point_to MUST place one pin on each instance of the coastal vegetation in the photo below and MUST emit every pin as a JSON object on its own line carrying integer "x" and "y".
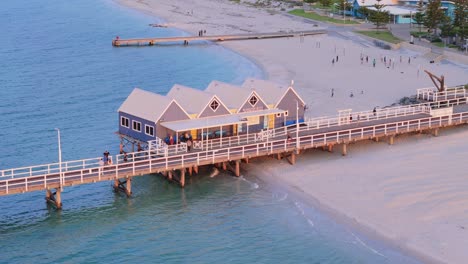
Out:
{"x": 315, "y": 16}
{"x": 381, "y": 35}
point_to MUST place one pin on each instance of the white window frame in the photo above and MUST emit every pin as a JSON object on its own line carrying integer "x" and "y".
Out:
{"x": 122, "y": 118}
{"x": 256, "y": 100}
{"x": 217, "y": 107}
{"x": 278, "y": 115}
{"x": 149, "y": 134}
{"x": 133, "y": 125}
{"x": 286, "y": 113}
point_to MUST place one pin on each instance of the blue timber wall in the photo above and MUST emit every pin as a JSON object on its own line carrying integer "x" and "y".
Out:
{"x": 132, "y": 133}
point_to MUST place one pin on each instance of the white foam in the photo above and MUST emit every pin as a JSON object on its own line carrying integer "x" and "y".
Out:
{"x": 367, "y": 246}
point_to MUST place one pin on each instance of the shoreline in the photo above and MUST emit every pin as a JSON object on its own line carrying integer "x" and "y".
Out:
{"x": 282, "y": 69}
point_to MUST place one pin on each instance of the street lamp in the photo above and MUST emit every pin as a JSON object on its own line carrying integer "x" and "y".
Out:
{"x": 344, "y": 6}
{"x": 297, "y": 125}
{"x": 60, "y": 159}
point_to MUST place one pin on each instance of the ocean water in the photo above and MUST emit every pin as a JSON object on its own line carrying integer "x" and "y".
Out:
{"x": 59, "y": 70}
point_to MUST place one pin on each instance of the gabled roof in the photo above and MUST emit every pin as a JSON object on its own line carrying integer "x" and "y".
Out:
{"x": 373, "y": 2}
{"x": 193, "y": 101}
{"x": 270, "y": 92}
{"x": 146, "y": 105}
{"x": 231, "y": 95}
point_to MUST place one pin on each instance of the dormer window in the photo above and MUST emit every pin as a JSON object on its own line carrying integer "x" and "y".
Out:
{"x": 214, "y": 105}
{"x": 253, "y": 100}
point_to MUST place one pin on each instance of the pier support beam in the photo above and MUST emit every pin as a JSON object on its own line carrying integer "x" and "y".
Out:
{"x": 190, "y": 170}
{"x": 376, "y": 139}
{"x": 123, "y": 186}
{"x": 237, "y": 169}
{"x": 391, "y": 140}
{"x": 54, "y": 198}
{"x": 292, "y": 158}
{"x": 195, "y": 169}
{"x": 169, "y": 175}
{"x": 330, "y": 147}
{"x": 435, "y": 132}
{"x": 344, "y": 149}
{"x": 182, "y": 178}
{"x": 224, "y": 166}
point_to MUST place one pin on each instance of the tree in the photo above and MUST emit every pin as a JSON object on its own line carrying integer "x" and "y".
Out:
{"x": 419, "y": 16}
{"x": 378, "y": 16}
{"x": 325, "y": 3}
{"x": 344, "y": 5}
{"x": 434, "y": 15}
{"x": 364, "y": 11}
{"x": 460, "y": 21}
{"x": 446, "y": 27}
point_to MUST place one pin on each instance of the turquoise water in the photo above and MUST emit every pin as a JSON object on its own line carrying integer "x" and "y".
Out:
{"x": 60, "y": 70}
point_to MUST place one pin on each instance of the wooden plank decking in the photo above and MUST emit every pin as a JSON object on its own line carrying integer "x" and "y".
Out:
{"x": 153, "y": 41}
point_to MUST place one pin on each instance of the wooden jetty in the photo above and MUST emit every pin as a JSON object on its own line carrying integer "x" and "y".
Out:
{"x": 228, "y": 153}
{"x": 117, "y": 42}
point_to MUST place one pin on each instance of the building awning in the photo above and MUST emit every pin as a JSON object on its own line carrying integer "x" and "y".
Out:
{"x": 217, "y": 121}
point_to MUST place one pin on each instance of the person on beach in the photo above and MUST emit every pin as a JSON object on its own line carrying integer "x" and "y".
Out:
{"x": 333, "y": 61}
{"x": 373, "y": 63}
{"x": 409, "y": 60}
{"x": 336, "y": 58}
{"x": 332, "y": 92}
{"x": 367, "y": 59}
{"x": 351, "y": 95}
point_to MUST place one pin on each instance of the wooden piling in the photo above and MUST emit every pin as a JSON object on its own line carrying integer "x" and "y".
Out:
{"x": 330, "y": 147}
{"x": 169, "y": 175}
{"x": 344, "y": 149}
{"x": 54, "y": 198}
{"x": 224, "y": 166}
{"x": 237, "y": 172}
{"x": 195, "y": 169}
{"x": 391, "y": 140}
{"x": 435, "y": 132}
{"x": 190, "y": 170}
{"x": 293, "y": 158}
{"x": 58, "y": 199}
{"x": 182, "y": 178}
{"x": 128, "y": 188}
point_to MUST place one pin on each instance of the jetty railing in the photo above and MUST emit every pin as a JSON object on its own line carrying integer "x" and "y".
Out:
{"x": 165, "y": 150}
{"x": 148, "y": 163}
{"x": 429, "y": 94}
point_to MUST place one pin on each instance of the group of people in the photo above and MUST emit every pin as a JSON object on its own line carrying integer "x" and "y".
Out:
{"x": 106, "y": 159}
{"x": 333, "y": 60}
{"x": 201, "y": 32}
{"x": 186, "y": 138}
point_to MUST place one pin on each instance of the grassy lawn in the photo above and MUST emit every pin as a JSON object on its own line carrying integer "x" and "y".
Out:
{"x": 442, "y": 45}
{"x": 382, "y": 35}
{"x": 314, "y": 16}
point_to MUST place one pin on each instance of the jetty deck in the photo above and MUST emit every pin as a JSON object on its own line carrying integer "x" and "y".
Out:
{"x": 228, "y": 152}
{"x": 186, "y": 39}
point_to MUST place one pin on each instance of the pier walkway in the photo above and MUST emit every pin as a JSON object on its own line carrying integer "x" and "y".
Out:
{"x": 186, "y": 39}
{"x": 228, "y": 152}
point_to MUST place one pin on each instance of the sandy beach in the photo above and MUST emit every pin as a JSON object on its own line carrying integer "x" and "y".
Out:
{"x": 413, "y": 193}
